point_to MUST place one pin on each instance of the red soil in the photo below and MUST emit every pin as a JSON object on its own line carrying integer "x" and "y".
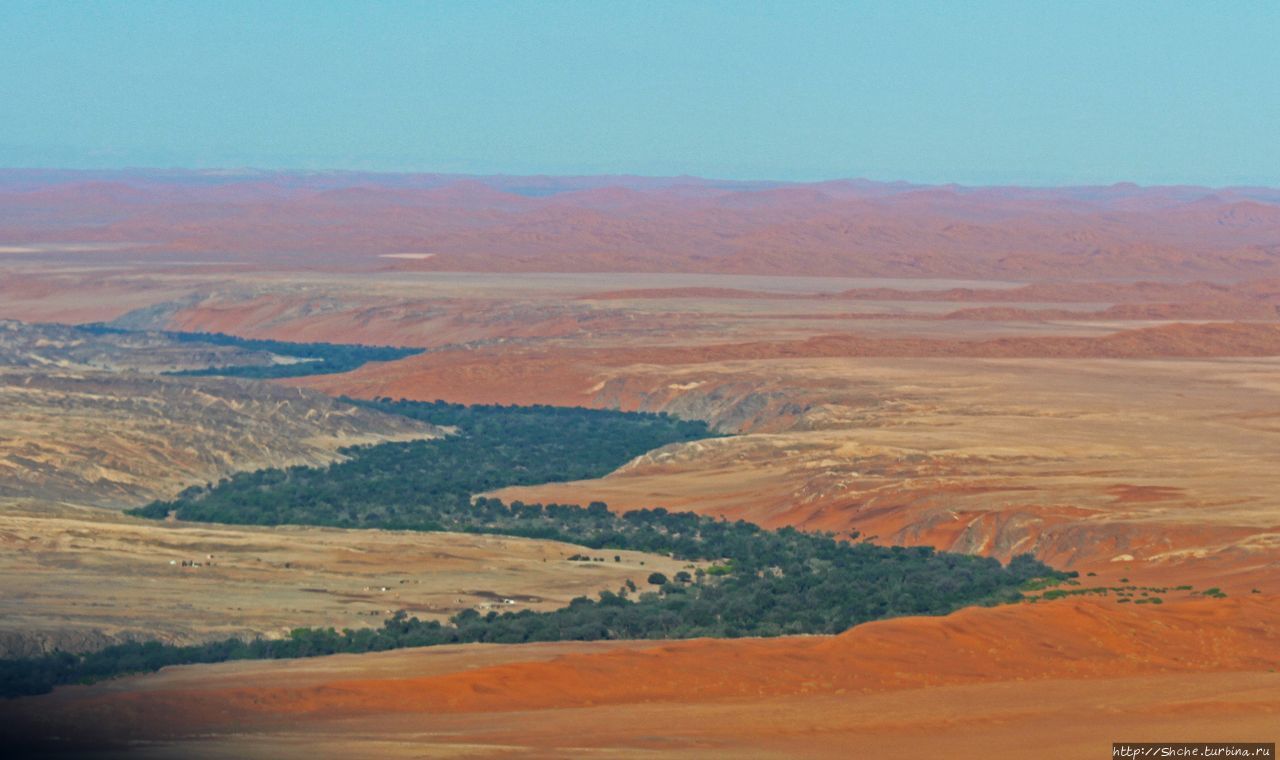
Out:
{"x": 567, "y": 376}
{"x": 1041, "y": 292}
{"x": 629, "y": 224}
{"x": 1255, "y": 300}
{"x": 1075, "y": 641}
{"x": 699, "y": 293}
{"x": 1071, "y": 640}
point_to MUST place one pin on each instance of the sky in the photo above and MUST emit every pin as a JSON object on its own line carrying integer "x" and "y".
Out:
{"x": 975, "y": 92}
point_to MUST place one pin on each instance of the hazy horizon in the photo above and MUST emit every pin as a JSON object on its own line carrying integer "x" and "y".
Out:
{"x": 245, "y": 172}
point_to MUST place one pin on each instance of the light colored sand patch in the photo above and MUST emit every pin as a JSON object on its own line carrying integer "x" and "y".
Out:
{"x": 413, "y": 256}
{"x": 685, "y": 386}
{"x": 80, "y": 578}
{"x": 65, "y": 247}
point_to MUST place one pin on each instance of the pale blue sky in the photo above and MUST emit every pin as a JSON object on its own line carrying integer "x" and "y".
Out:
{"x": 1030, "y": 92}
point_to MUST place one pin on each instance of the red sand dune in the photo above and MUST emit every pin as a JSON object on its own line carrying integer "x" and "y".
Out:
{"x": 1249, "y": 300}
{"x": 1071, "y": 640}
{"x": 674, "y": 225}
{"x": 1068, "y": 641}
{"x": 1267, "y": 290}
{"x": 566, "y": 376}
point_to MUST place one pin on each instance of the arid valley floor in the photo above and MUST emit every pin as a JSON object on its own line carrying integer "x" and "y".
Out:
{"x": 1090, "y": 375}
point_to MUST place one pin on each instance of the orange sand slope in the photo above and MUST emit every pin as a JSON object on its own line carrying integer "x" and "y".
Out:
{"x": 514, "y": 376}
{"x": 973, "y": 681}
{"x": 1089, "y": 463}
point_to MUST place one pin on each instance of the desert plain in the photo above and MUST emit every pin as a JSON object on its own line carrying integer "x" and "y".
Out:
{"x": 1090, "y": 375}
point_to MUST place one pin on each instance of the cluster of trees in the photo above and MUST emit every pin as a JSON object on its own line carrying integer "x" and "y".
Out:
{"x": 761, "y": 583}
{"x": 427, "y": 485}
{"x": 745, "y": 581}
{"x": 317, "y": 358}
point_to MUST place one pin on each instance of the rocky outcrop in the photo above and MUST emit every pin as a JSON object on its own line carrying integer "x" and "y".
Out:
{"x": 120, "y": 439}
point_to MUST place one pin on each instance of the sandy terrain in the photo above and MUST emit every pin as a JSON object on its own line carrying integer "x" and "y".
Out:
{"x": 1087, "y": 441}
{"x": 1065, "y": 459}
{"x": 1070, "y": 677}
{"x": 77, "y": 578}
{"x": 975, "y": 370}
{"x": 630, "y": 224}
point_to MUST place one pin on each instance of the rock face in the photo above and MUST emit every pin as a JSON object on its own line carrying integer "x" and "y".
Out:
{"x": 120, "y": 439}
{"x": 57, "y": 347}
{"x": 86, "y": 418}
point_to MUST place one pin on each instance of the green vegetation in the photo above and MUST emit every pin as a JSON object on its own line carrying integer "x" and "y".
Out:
{"x": 1040, "y": 584}
{"x": 781, "y": 582}
{"x": 1124, "y": 594}
{"x": 427, "y": 485}
{"x": 758, "y": 583}
{"x": 313, "y": 358}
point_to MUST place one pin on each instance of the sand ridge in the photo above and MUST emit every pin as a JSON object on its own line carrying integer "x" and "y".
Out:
{"x": 982, "y": 652}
